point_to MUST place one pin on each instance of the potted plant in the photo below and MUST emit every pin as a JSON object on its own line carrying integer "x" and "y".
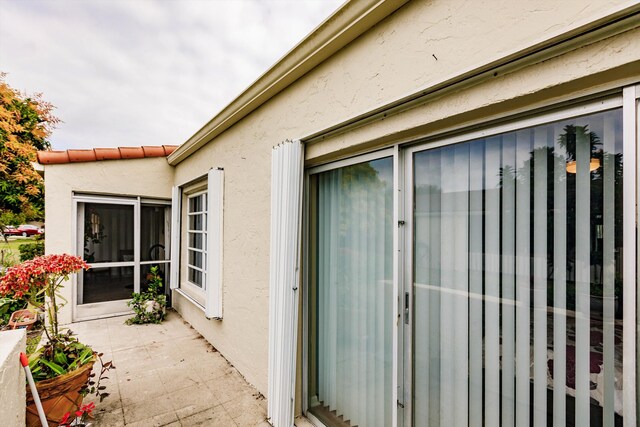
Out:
{"x": 23, "y": 319}
{"x": 62, "y": 366}
{"x": 149, "y": 306}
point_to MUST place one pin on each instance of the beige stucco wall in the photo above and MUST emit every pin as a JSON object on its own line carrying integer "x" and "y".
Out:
{"x": 420, "y": 44}
{"x": 149, "y": 177}
{"x": 12, "y": 378}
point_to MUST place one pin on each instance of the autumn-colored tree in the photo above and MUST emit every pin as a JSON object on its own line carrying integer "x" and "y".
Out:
{"x": 25, "y": 124}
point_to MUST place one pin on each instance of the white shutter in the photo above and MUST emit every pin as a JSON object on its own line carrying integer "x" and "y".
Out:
{"x": 286, "y": 218}
{"x": 176, "y": 195}
{"x": 213, "y": 288}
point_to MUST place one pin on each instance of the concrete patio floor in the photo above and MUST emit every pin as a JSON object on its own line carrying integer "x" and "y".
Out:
{"x": 167, "y": 375}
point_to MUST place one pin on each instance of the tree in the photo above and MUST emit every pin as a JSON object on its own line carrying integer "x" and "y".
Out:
{"x": 25, "y": 124}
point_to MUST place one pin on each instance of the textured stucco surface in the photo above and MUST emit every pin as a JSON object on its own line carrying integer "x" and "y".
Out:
{"x": 151, "y": 177}
{"x": 12, "y": 378}
{"x": 420, "y": 44}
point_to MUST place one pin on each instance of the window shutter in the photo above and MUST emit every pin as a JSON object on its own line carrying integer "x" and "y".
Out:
{"x": 286, "y": 219}
{"x": 213, "y": 288}
{"x": 176, "y": 207}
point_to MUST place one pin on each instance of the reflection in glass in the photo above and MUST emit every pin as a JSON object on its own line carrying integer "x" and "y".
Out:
{"x": 153, "y": 229}
{"x": 163, "y": 269}
{"x": 102, "y": 284}
{"x": 517, "y": 267}
{"x": 196, "y": 277}
{"x": 351, "y": 295}
{"x": 108, "y": 233}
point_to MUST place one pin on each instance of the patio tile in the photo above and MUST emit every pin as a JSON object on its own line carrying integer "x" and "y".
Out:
{"x": 141, "y": 388}
{"x": 151, "y": 411}
{"x": 113, "y": 418}
{"x": 179, "y": 376}
{"x": 229, "y": 386}
{"x": 112, "y": 401}
{"x": 168, "y": 375}
{"x": 246, "y": 410}
{"x": 192, "y": 400}
{"x": 164, "y": 420}
{"x": 216, "y": 416}
{"x": 211, "y": 367}
{"x": 132, "y": 362}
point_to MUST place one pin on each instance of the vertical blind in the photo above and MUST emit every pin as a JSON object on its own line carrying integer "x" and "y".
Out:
{"x": 351, "y": 295}
{"x": 517, "y": 277}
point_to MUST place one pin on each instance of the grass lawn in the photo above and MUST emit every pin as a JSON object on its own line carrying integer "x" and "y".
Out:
{"x": 9, "y": 250}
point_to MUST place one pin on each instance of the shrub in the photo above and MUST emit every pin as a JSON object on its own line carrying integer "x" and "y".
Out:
{"x": 150, "y": 306}
{"x": 31, "y": 250}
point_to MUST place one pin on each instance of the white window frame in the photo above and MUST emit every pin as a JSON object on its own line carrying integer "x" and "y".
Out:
{"x": 208, "y": 297}
{"x": 195, "y": 291}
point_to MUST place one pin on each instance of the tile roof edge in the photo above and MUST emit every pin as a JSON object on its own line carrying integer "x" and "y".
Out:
{"x": 54, "y": 157}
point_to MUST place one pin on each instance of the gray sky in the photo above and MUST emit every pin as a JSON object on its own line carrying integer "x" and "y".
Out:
{"x": 138, "y": 72}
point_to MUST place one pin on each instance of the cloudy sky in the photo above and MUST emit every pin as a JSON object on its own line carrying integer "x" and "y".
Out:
{"x": 138, "y": 72}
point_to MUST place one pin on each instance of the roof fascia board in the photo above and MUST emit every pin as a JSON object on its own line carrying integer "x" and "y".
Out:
{"x": 623, "y": 18}
{"x": 345, "y": 25}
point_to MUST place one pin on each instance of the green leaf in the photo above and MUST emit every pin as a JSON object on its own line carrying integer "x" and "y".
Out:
{"x": 60, "y": 358}
{"x": 59, "y": 370}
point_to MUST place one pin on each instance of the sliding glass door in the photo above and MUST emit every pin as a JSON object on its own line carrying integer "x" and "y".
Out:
{"x": 510, "y": 253}
{"x": 517, "y": 277}
{"x": 351, "y": 294}
{"x": 121, "y": 239}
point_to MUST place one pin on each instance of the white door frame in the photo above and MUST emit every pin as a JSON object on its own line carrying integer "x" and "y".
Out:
{"x": 108, "y": 308}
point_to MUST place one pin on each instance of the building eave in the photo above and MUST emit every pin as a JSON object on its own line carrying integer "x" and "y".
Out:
{"x": 345, "y": 25}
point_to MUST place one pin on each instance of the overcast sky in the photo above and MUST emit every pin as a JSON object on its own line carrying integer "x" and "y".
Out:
{"x": 137, "y": 72}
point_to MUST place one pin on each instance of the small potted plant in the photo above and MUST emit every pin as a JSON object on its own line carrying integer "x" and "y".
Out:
{"x": 23, "y": 319}
{"x": 149, "y": 306}
{"x": 62, "y": 366}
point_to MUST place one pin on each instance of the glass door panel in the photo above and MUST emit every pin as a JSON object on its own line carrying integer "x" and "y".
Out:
{"x": 351, "y": 295}
{"x": 154, "y": 242}
{"x": 106, "y": 240}
{"x": 517, "y": 290}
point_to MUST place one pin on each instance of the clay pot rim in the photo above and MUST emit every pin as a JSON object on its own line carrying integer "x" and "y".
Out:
{"x": 50, "y": 383}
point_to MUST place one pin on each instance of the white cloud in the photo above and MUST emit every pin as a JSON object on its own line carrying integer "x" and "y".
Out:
{"x": 134, "y": 72}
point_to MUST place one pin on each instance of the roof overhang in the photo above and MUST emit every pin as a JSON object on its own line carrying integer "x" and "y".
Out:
{"x": 345, "y": 25}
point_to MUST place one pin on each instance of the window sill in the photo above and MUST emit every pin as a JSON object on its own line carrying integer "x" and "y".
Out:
{"x": 190, "y": 299}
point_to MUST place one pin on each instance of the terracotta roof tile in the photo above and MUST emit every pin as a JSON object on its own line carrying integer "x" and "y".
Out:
{"x": 98, "y": 154}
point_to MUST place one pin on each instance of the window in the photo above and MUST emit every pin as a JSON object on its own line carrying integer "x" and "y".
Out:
{"x": 197, "y": 239}
{"x": 200, "y": 226}
{"x": 516, "y": 284}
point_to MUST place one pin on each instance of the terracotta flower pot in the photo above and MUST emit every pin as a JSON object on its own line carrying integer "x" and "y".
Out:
{"x": 22, "y": 319}
{"x": 58, "y": 395}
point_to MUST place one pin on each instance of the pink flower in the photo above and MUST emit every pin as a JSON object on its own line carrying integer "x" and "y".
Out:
{"x": 33, "y": 275}
{"x": 65, "y": 419}
{"x": 88, "y": 408}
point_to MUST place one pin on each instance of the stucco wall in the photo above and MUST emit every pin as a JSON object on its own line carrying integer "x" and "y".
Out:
{"x": 149, "y": 177}
{"x": 422, "y": 43}
{"x": 12, "y": 378}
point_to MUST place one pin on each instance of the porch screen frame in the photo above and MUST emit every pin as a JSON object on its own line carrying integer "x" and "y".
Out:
{"x": 108, "y": 308}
